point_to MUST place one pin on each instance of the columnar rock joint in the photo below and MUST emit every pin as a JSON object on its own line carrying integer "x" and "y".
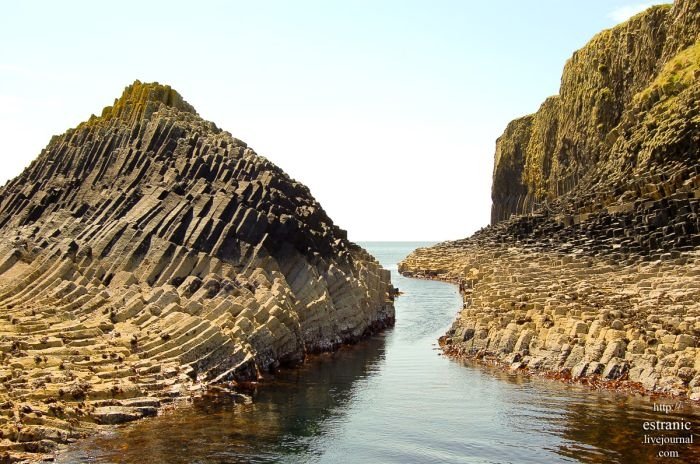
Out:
{"x": 628, "y": 105}
{"x": 590, "y": 267}
{"x": 146, "y": 250}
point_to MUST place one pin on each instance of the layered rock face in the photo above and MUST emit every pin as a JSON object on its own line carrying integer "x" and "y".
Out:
{"x": 147, "y": 250}
{"x": 590, "y": 267}
{"x": 627, "y": 108}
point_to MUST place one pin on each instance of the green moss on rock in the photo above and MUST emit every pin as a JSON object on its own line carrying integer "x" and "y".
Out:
{"x": 610, "y": 89}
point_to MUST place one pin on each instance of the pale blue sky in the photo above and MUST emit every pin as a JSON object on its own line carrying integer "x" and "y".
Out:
{"x": 387, "y": 110}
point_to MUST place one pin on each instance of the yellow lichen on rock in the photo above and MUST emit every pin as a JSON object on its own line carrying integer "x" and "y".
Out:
{"x": 584, "y": 138}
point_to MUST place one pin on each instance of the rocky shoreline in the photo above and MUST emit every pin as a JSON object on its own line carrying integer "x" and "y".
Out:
{"x": 572, "y": 310}
{"x": 590, "y": 267}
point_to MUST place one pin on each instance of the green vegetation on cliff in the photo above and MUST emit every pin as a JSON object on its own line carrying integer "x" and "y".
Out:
{"x": 626, "y": 106}
{"x": 676, "y": 76}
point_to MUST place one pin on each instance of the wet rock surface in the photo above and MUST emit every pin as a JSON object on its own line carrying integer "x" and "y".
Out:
{"x": 147, "y": 253}
{"x": 591, "y": 267}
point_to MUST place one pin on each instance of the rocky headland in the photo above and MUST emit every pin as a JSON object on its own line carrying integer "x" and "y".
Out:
{"x": 147, "y": 253}
{"x": 590, "y": 269}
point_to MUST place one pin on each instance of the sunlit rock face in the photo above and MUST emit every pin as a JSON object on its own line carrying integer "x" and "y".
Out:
{"x": 625, "y": 118}
{"x": 590, "y": 268}
{"x": 147, "y": 250}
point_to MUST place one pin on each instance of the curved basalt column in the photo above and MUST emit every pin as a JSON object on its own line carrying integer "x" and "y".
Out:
{"x": 146, "y": 250}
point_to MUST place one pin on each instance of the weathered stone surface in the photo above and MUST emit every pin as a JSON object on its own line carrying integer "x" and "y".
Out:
{"x": 627, "y": 107}
{"x": 624, "y": 314}
{"x": 590, "y": 266}
{"x": 147, "y": 251}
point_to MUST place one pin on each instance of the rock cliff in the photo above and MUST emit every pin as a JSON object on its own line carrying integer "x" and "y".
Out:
{"x": 146, "y": 252}
{"x": 590, "y": 268}
{"x": 626, "y": 110}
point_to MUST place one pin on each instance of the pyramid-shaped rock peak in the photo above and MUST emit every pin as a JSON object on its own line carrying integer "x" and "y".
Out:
{"x": 145, "y": 250}
{"x": 140, "y": 100}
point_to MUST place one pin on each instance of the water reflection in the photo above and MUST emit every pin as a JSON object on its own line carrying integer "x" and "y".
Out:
{"x": 393, "y": 399}
{"x": 287, "y": 414}
{"x": 597, "y": 426}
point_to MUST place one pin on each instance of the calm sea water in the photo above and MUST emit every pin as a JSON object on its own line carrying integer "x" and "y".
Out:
{"x": 394, "y": 399}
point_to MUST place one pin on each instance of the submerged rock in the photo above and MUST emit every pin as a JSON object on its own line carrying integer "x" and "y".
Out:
{"x": 146, "y": 251}
{"x": 110, "y": 415}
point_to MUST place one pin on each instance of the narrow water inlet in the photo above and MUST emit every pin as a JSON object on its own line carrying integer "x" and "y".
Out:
{"x": 393, "y": 398}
